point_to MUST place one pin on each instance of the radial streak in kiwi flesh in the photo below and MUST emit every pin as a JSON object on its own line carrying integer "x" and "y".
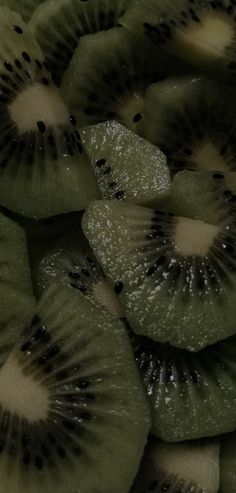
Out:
{"x": 109, "y": 75}
{"x": 126, "y": 166}
{"x": 70, "y": 400}
{"x": 43, "y": 168}
{"x": 192, "y": 119}
{"x": 183, "y": 467}
{"x": 178, "y": 274}
{"x": 58, "y": 27}
{"x": 201, "y": 32}
{"x": 72, "y": 264}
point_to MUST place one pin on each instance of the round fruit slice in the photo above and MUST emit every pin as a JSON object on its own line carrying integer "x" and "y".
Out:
{"x": 126, "y": 166}
{"x": 43, "y": 168}
{"x": 109, "y": 75}
{"x": 70, "y": 400}
{"x": 183, "y": 467}
{"x": 192, "y": 120}
{"x": 178, "y": 274}
{"x": 192, "y": 395}
{"x": 71, "y": 263}
{"x": 201, "y": 32}
{"x": 59, "y": 26}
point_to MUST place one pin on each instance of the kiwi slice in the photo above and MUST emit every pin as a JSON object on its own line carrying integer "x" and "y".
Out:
{"x": 192, "y": 120}
{"x": 58, "y": 27}
{"x": 71, "y": 399}
{"x": 24, "y": 7}
{"x": 228, "y": 463}
{"x": 125, "y": 165}
{"x": 200, "y": 32}
{"x": 177, "y": 273}
{"x": 72, "y": 264}
{"x": 109, "y": 74}
{"x": 192, "y": 395}
{"x": 16, "y": 297}
{"x": 43, "y": 168}
{"x": 209, "y": 196}
{"x": 179, "y": 468}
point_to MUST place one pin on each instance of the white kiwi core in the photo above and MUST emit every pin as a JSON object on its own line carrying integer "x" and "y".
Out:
{"x": 193, "y": 237}
{"x": 206, "y": 157}
{"x": 214, "y": 33}
{"x": 38, "y": 103}
{"x": 105, "y": 297}
{"x": 22, "y": 395}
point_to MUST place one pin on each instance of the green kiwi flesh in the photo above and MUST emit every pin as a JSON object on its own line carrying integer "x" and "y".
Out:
{"x": 109, "y": 74}
{"x": 126, "y": 166}
{"x": 72, "y": 264}
{"x": 43, "y": 167}
{"x": 70, "y": 400}
{"x": 24, "y": 7}
{"x": 16, "y": 295}
{"x": 228, "y": 463}
{"x": 58, "y": 27}
{"x": 202, "y": 32}
{"x": 178, "y": 274}
{"x": 179, "y": 468}
{"x": 192, "y": 120}
{"x": 208, "y": 196}
{"x": 192, "y": 395}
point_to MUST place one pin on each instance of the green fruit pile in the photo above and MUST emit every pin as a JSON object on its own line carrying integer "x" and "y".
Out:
{"x": 118, "y": 246}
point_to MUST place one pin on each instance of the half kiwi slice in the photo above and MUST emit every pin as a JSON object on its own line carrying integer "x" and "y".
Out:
{"x": 200, "y": 32}
{"x": 228, "y": 463}
{"x": 72, "y": 264}
{"x": 58, "y": 27}
{"x": 192, "y": 395}
{"x": 178, "y": 274}
{"x": 109, "y": 74}
{"x": 24, "y": 7}
{"x": 16, "y": 295}
{"x": 43, "y": 168}
{"x": 192, "y": 119}
{"x": 208, "y": 196}
{"x": 179, "y": 468}
{"x": 125, "y": 165}
{"x": 70, "y": 400}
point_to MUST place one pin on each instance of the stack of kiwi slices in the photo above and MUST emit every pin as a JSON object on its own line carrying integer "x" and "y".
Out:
{"x": 118, "y": 246}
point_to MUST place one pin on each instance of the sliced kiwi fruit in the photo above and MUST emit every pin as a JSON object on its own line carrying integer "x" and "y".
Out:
{"x": 228, "y": 463}
{"x": 43, "y": 168}
{"x": 192, "y": 395}
{"x": 72, "y": 264}
{"x": 24, "y": 7}
{"x": 58, "y": 27}
{"x": 71, "y": 399}
{"x": 126, "y": 166}
{"x": 200, "y": 32}
{"x": 178, "y": 274}
{"x": 16, "y": 295}
{"x": 179, "y": 468}
{"x": 192, "y": 119}
{"x": 109, "y": 74}
{"x": 208, "y": 196}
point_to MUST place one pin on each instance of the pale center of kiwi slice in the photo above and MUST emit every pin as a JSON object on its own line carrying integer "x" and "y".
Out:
{"x": 131, "y": 110}
{"x": 207, "y": 157}
{"x": 194, "y": 237}
{"x": 22, "y": 395}
{"x": 104, "y": 295}
{"x": 214, "y": 33}
{"x": 38, "y": 103}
